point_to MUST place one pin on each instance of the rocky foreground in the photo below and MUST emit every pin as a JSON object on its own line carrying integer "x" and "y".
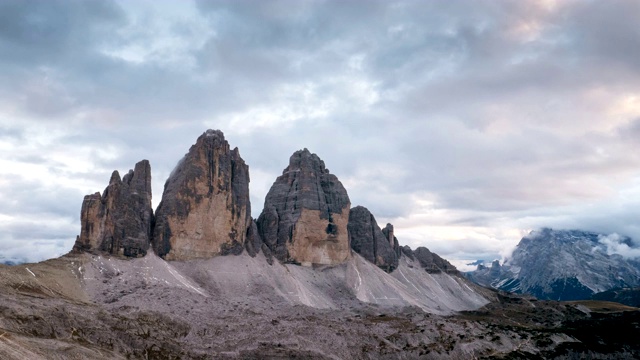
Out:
{"x": 237, "y": 307}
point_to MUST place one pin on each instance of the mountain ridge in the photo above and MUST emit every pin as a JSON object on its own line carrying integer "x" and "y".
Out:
{"x": 561, "y": 265}
{"x": 225, "y": 286}
{"x": 205, "y": 209}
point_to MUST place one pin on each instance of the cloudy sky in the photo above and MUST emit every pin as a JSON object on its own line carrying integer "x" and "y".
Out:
{"x": 464, "y": 123}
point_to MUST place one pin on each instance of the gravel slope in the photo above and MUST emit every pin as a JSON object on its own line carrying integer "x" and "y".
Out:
{"x": 238, "y": 307}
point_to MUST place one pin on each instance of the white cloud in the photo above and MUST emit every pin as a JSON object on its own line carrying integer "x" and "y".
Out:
{"x": 615, "y": 244}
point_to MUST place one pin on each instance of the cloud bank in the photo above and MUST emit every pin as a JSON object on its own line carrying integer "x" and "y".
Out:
{"x": 616, "y": 244}
{"x": 466, "y": 124}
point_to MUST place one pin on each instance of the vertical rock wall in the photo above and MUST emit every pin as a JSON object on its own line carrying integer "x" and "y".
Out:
{"x": 119, "y": 221}
{"x": 393, "y": 240}
{"x": 305, "y": 214}
{"x": 368, "y": 240}
{"x": 205, "y": 209}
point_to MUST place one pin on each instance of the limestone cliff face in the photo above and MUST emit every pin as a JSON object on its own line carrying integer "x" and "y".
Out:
{"x": 368, "y": 240}
{"x": 119, "y": 221}
{"x": 305, "y": 214}
{"x": 205, "y": 209}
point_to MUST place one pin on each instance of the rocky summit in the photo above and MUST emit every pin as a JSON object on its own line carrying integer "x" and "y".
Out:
{"x": 305, "y": 214}
{"x": 119, "y": 221}
{"x": 205, "y": 209}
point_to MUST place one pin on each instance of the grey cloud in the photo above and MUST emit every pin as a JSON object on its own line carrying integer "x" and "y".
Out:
{"x": 31, "y": 199}
{"x": 11, "y": 133}
{"x": 496, "y": 126}
{"x": 43, "y": 32}
{"x": 28, "y": 230}
{"x": 32, "y": 250}
{"x": 58, "y": 65}
{"x": 605, "y": 32}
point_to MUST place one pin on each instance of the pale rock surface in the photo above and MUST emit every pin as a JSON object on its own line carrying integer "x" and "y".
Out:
{"x": 85, "y": 306}
{"x": 305, "y": 215}
{"x": 257, "y": 283}
{"x": 205, "y": 209}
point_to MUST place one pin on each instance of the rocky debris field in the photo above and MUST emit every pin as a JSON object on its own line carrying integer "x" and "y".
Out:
{"x": 97, "y": 307}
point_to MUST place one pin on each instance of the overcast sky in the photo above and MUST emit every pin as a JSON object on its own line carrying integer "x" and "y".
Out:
{"x": 464, "y": 123}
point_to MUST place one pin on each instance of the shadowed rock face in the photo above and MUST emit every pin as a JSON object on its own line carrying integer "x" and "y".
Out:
{"x": 389, "y": 234}
{"x": 368, "y": 240}
{"x": 205, "y": 209}
{"x": 253, "y": 243}
{"x": 120, "y": 221}
{"x": 305, "y": 214}
{"x": 431, "y": 262}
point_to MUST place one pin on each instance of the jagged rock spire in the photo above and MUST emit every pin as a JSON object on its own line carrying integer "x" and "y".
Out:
{"x": 205, "y": 209}
{"x": 120, "y": 220}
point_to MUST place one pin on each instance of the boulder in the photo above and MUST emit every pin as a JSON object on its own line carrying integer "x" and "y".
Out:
{"x": 305, "y": 215}
{"x": 119, "y": 221}
{"x": 368, "y": 240}
{"x": 205, "y": 209}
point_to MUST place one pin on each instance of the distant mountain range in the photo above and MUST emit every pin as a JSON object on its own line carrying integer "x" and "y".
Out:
{"x": 562, "y": 265}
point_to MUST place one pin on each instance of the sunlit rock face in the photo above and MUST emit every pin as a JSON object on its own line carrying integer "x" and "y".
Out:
{"x": 305, "y": 214}
{"x": 205, "y": 209}
{"x": 119, "y": 221}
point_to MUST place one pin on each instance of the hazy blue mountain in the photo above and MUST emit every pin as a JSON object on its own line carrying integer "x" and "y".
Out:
{"x": 562, "y": 265}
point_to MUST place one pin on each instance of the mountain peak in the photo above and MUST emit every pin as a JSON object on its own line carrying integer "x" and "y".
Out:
{"x": 305, "y": 213}
{"x": 205, "y": 208}
{"x": 119, "y": 221}
{"x": 306, "y": 160}
{"x": 213, "y": 133}
{"x": 561, "y": 265}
